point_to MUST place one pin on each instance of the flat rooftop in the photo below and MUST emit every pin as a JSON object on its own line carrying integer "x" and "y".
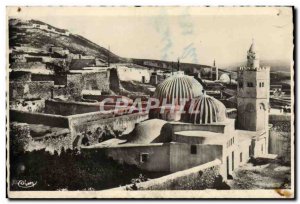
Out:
{"x": 243, "y": 135}
{"x": 206, "y": 137}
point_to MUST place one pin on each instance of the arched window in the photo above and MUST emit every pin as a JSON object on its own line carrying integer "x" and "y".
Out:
{"x": 262, "y": 106}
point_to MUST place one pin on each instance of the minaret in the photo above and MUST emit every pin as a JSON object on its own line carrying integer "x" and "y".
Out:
{"x": 108, "y": 56}
{"x": 253, "y": 93}
{"x": 217, "y": 70}
{"x": 252, "y": 56}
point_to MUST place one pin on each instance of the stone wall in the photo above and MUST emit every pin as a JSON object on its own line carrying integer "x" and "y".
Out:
{"x": 201, "y": 177}
{"x": 28, "y": 65}
{"x": 72, "y": 108}
{"x": 61, "y": 92}
{"x": 96, "y": 81}
{"x": 42, "y": 77}
{"x": 70, "y": 86}
{"x": 52, "y": 142}
{"x": 92, "y": 125}
{"x": 158, "y": 156}
{"x": 69, "y": 108}
{"x": 19, "y": 76}
{"x": 60, "y": 79}
{"x": 21, "y": 139}
{"x": 29, "y": 90}
{"x": 181, "y": 157}
{"x": 74, "y": 86}
{"x": 28, "y": 105}
{"x": 38, "y": 118}
{"x": 114, "y": 98}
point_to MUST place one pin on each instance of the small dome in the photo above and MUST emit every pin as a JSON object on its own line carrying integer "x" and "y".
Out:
{"x": 204, "y": 110}
{"x": 178, "y": 87}
{"x": 148, "y": 131}
{"x": 224, "y": 78}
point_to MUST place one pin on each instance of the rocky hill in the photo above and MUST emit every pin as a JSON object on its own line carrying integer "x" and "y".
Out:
{"x": 23, "y": 33}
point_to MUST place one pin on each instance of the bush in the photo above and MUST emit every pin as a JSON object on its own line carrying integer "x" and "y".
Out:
{"x": 70, "y": 170}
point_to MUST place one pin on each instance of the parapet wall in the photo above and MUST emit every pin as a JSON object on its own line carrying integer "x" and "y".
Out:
{"x": 73, "y": 108}
{"x": 69, "y": 108}
{"x": 38, "y": 118}
{"x": 92, "y": 124}
{"x": 197, "y": 178}
{"x": 189, "y": 127}
{"x": 87, "y": 124}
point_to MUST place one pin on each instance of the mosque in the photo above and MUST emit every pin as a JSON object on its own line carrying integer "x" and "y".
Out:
{"x": 174, "y": 141}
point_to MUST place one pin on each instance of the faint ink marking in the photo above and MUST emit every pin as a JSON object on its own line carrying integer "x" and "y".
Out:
{"x": 190, "y": 52}
{"x": 26, "y": 184}
{"x": 185, "y": 23}
{"x": 162, "y": 27}
{"x": 19, "y": 9}
{"x": 187, "y": 29}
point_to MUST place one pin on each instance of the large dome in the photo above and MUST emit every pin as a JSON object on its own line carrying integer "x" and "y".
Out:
{"x": 178, "y": 87}
{"x": 204, "y": 110}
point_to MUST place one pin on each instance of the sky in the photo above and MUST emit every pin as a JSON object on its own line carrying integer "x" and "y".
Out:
{"x": 192, "y": 35}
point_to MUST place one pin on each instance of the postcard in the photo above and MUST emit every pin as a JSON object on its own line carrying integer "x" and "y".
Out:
{"x": 150, "y": 102}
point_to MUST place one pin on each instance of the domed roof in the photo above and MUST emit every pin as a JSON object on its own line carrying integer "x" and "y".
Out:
{"x": 224, "y": 78}
{"x": 204, "y": 110}
{"x": 148, "y": 131}
{"x": 178, "y": 87}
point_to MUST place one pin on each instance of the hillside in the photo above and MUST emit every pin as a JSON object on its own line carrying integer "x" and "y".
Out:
{"x": 160, "y": 64}
{"x": 26, "y": 34}
{"x": 20, "y": 33}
